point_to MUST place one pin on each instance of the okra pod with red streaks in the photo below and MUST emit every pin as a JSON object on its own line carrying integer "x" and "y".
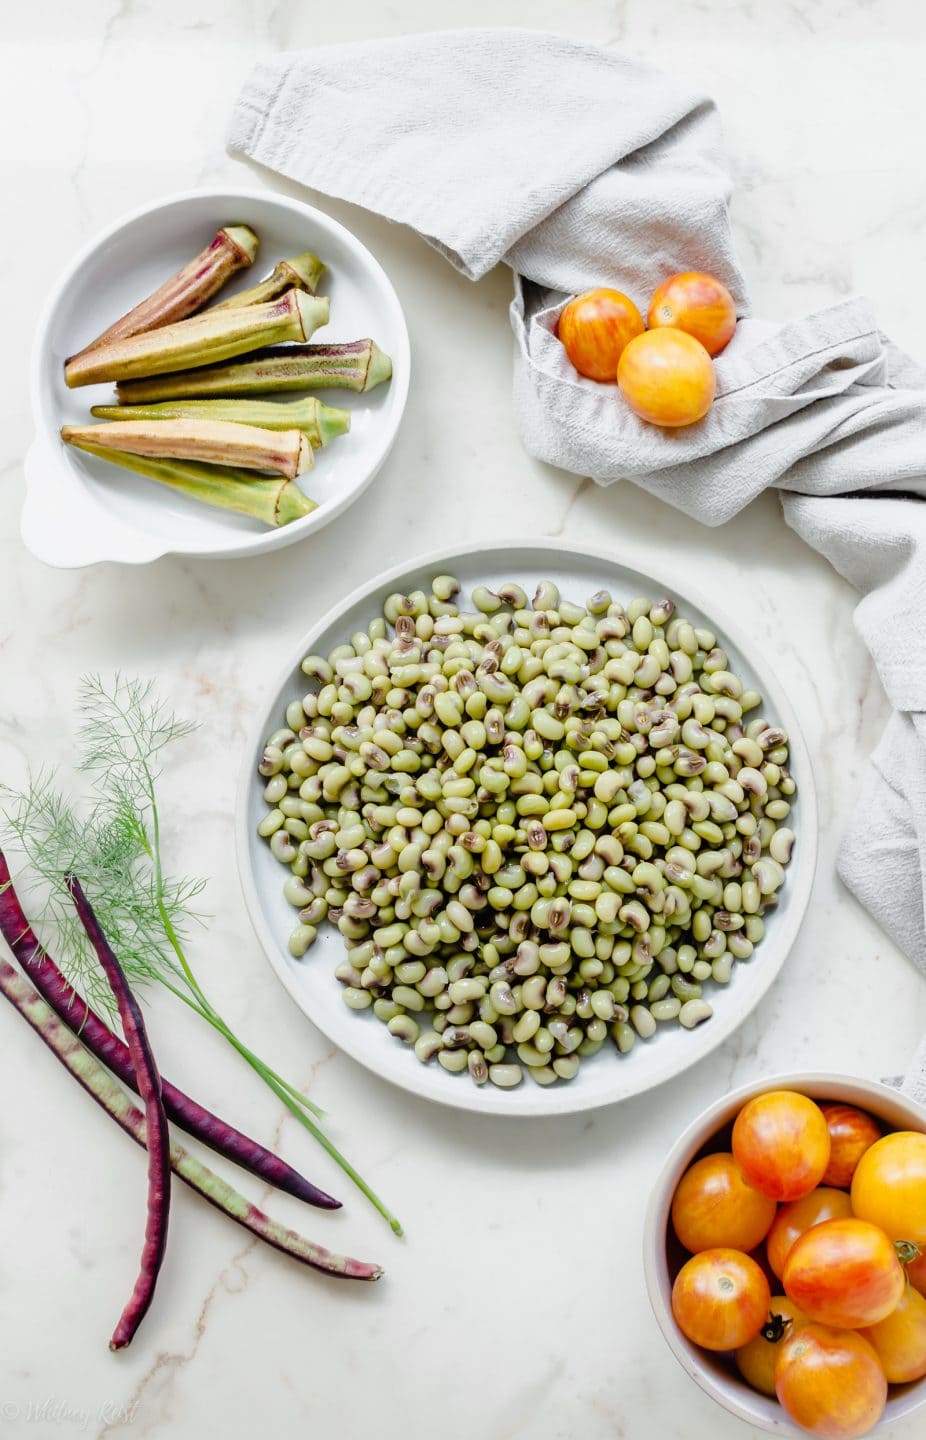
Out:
{"x": 233, "y": 247}
{"x": 351, "y": 365}
{"x": 303, "y": 272}
{"x": 215, "y": 442}
{"x": 266, "y": 498}
{"x": 318, "y": 422}
{"x": 210, "y": 336}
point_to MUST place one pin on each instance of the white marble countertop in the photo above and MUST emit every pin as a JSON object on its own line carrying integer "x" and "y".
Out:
{"x": 515, "y": 1306}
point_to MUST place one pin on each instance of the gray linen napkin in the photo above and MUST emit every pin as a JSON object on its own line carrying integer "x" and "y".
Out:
{"x": 577, "y": 167}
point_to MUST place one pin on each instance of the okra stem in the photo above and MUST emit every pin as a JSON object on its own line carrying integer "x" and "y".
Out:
{"x": 318, "y": 422}
{"x": 272, "y": 501}
{"x": 233, "y": 248}
{"x": 303, "y": 272}
{"x": 354, "y": 365}
{"x": 201, "y": 340}
{"x": 217, "y": 442}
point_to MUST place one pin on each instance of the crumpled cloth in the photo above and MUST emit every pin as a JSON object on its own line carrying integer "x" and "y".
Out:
{"x": 577, "y": 167}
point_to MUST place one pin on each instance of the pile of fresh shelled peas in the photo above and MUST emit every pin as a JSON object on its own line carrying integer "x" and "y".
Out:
{"x": 818, "y": 1203}
{"x": 541, "y": 823}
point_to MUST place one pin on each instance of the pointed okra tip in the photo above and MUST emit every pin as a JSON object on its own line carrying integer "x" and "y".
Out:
{"x": 305, "y": 457}
{"x": 244, "y": 238}
{"x": 332, "y": 421}
{"x": 314, "y": 311}
{"x": 307, "y": 269}
{"x": 292, "y": 504}
{"x": 379, "y": 368}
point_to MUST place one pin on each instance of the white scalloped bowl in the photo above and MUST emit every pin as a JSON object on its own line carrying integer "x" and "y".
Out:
{"x": 663, "y": 1257}
{"x": 80, "y": 510}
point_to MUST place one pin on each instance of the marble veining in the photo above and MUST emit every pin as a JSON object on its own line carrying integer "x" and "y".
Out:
{"x": 515, "y": 1307}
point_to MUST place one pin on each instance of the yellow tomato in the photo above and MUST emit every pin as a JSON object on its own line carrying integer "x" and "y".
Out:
{"x": 889, "y": 1185}
{"x": 594, "y": 329}
{"x": 720, "y": 1299}
{"x": 781, "y": 1144}
{"x": 667, "y": 378}
{"x": 697, "y": 304}
{"x": 792, "y": 1220}
{"x": 852, "y": 1132}
{"x": 844, "y": 1273}
{"x": 916, "y": 1271}
{"x": 757, "y": 1359}
{"x": 900, "y": 1339}
{"x": 831, "y": 1382}
{"x": 714, "y": 1206}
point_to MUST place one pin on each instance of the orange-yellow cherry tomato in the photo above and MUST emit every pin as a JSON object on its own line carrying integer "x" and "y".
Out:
{"x": 830, "y": 1382}
{"x": 852, "y": 1132}
{"x": 720, "y": 1299}
{"x": 781, "y": 1144}
{"x": 844, "y": 1273}
{"x": 792, "y": 1220}
{"x": 697, "y": 304}
{"x": 667, "y": 378}
{"x": 900, "y": 1339}
{"x": 594, "y": 329}
{"x": 756, "y": 1360}
{"x": 889, "y": 1185}
{"x": 916, "y": 1271}
{"x": 713, "y": 1206}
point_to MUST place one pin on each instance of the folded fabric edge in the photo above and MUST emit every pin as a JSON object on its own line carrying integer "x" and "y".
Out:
{"x": 848, "y": 321}
{"x": 257, "y": 131}
{"x": 340, "y": 184}
{"x": 253, "y": 106}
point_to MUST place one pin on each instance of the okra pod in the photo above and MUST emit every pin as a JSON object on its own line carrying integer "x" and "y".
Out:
{"x": 201, "y": 340}
{"x": 354, "y": 365}
{"x": 273, "y": 501}
{"x": 217, "y": 442}
{"x": 318, "y": 422}
{"x": 233, "y": 248}
{"x": 303, "y": 272}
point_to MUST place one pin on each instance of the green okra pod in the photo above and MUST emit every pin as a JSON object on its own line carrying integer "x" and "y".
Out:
{"x": 318, "y": 422}
{"x": 201, "y": 340}
{"x": 271, "y": 500}
{"x": 352, "y": 365}
{"x": 303, "y": 272}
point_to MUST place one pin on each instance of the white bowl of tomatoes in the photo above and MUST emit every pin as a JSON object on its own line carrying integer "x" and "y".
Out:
{"x": 785, "y": 1255}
